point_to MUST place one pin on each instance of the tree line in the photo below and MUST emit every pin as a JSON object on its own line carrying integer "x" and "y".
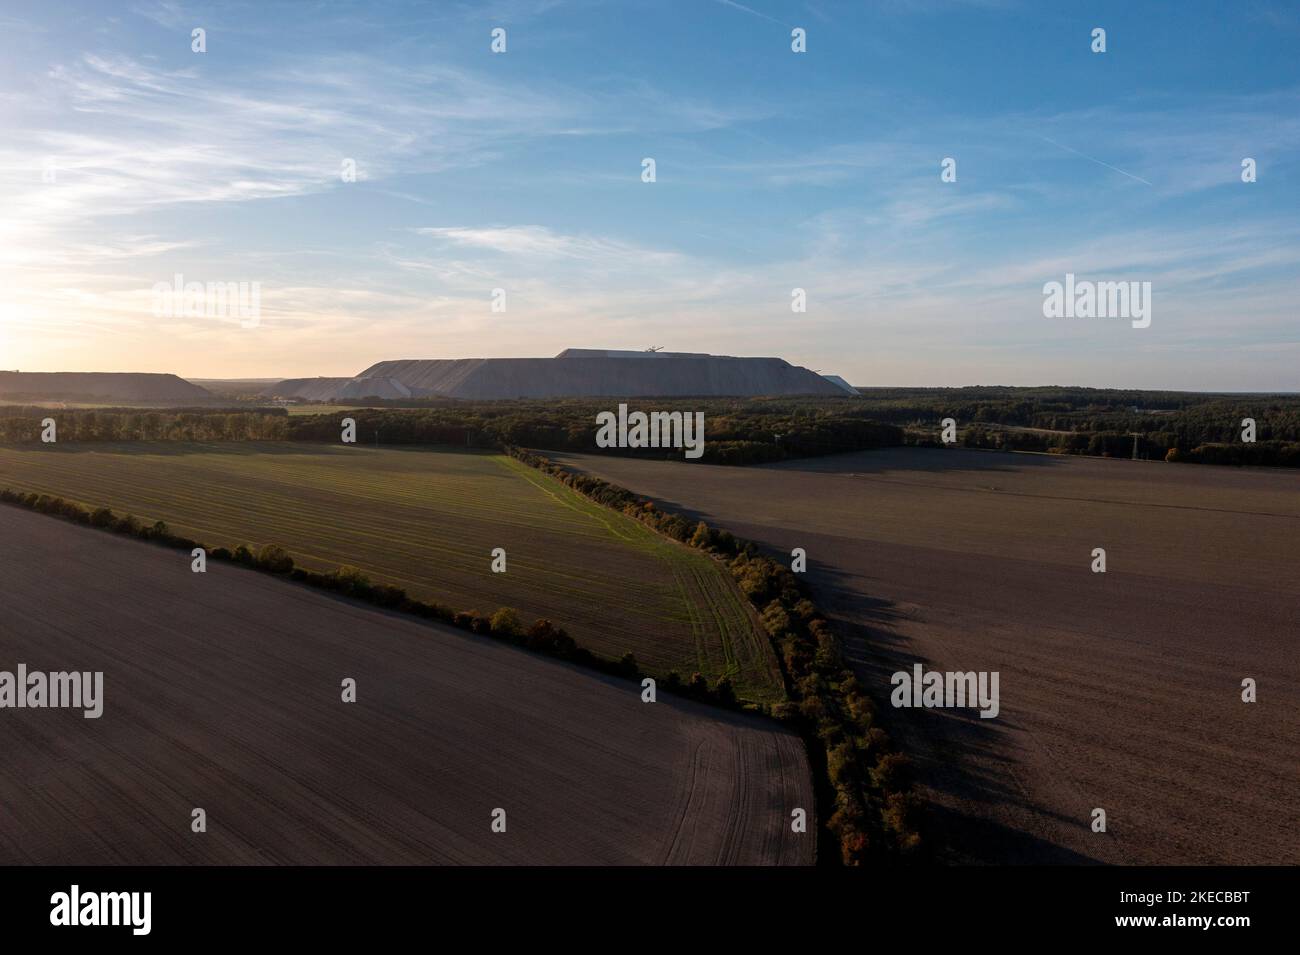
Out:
{"x": 867, "y": 784}
{"x": 541, "y": 636}
{"x": 23, "y": 424}
{"x": 1173, "y": 426}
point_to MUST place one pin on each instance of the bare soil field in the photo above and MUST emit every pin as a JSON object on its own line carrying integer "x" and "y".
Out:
{"x": 1119, "y": 691}
{"x": 223, "y": 691}
{"x": 428, "y": 520}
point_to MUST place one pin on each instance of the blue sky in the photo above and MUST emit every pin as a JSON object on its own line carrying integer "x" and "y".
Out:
{"x": 775, "y": 170}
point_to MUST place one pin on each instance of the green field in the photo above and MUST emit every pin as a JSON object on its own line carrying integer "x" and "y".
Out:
{"x": 427, "y": 520}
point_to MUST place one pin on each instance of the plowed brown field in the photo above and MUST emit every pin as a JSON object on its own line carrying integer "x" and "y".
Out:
{"x": 223, "y": 691}
{"x": 1119, "y": 691}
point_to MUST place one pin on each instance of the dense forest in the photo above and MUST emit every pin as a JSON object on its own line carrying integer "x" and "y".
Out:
{"x": 1194, "y": 417}
{"x": 736, "y": 431}
{"x": 22, "y": 423}
{"x": 1173, "y": 426}
{"x": 1157, "y": 425}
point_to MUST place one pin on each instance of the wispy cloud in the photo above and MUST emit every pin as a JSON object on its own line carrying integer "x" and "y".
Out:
{"x": 1071, "y": 149}
{"x": 165, "y": 13}
{"x": 539, "y": 242}
{"x": 750, "y": 10}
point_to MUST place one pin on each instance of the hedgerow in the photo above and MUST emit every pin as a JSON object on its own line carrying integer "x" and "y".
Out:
{"x": 542, "y": 636}
{"x": 873, "y": 809}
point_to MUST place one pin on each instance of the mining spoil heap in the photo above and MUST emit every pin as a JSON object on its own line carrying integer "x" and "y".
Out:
{"x": 86, "y": 386}
{"x": 574, "y": 373}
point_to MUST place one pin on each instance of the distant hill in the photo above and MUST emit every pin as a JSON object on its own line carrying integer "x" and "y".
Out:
{"x": 307, "y": 389}
{"x": 234, "y": 387}
{"x": 574, "y": 373}
{"x": 96, "y": 386}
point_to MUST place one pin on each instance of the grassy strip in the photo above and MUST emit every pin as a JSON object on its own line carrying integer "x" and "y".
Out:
{"x": 541, "y": 637}
{"x": 873, "y": 808}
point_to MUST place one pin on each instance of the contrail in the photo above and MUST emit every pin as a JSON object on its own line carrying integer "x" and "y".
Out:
{"x": 1089, "y": 158}
{"x": 741, "y": 6}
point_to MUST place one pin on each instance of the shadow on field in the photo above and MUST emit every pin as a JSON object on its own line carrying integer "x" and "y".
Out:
{"x": 950, "y": 750}
{"x": 971, "y": 840}
{"x": 917, "y": 459}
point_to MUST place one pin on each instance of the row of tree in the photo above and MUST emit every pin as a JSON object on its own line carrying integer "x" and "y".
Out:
{"x": 736, "y": 431}
{"x": 20, "y": 424}
{"x": 873, "y": 808}
{"x": 740, "y": 431}
{"x": 1182, "y": 420}
{"x": 542, "y": 636}
{"x": 1157, "y": 446}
